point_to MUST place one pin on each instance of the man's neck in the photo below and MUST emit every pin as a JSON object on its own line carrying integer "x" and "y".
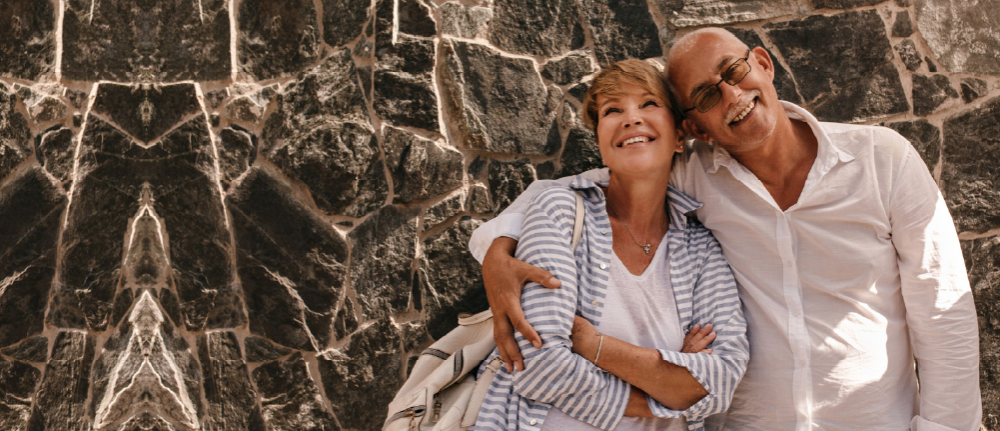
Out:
{"x": 782, "y": 162}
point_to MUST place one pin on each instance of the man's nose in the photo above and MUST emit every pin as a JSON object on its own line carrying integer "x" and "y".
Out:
{"x": 732, "y": 92}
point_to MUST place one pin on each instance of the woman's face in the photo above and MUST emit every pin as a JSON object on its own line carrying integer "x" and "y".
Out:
{"x": 636, "y": 132}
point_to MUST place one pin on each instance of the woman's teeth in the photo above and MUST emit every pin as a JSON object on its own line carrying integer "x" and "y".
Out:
{"x": 745, "y": 111}
{"x": 634, "y": 140}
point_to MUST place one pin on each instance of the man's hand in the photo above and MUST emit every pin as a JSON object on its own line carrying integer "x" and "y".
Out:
{"x": 504, "y": 278}
{"x": 698, "y": 338}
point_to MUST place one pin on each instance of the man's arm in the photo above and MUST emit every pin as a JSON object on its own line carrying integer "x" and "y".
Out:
{"x": 940, "y": 311}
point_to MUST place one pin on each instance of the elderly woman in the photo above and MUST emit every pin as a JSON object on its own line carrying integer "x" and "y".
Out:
{"x": 643, "y": 275}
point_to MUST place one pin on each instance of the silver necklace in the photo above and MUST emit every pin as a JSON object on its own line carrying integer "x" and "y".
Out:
{"x": 645, "y": 247}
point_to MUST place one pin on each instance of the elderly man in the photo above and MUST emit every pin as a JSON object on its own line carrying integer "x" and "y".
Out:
{"x": 849, "y": 267}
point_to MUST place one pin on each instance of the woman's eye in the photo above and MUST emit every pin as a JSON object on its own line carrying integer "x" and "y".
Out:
{"x": 610, "y": 110}
{"x": 650, "y": 102}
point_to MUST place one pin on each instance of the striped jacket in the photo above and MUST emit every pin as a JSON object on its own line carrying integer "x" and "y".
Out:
{"x": 703, "y": 287}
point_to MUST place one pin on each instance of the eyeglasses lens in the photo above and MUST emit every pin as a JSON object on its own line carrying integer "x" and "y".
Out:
{"x": 709, "y": 96}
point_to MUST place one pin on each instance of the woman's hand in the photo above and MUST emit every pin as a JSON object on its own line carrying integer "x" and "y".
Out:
{"x": 697, "y": 339}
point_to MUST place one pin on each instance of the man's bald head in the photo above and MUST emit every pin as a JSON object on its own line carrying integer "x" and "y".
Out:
{"x": 685, "y": 44}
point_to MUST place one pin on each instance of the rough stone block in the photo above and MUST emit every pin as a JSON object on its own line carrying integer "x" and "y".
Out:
{"x": 454, "y": 280}
{"x": 507, "y": 180}
{"x": 843, "y": 4}
{"x": 464, "y": 21}
{"x": 163, "y": 41}
{"x": 231, "y": 399}
{"x": 863, "y": 86}
{"x": 289, "y": 398}
{"x": 34, "y": 349}
{"x": 581, "y": 152}
{"x": 569, "y": 69}
{"x": 362, "y": 375}
{"x": 261, "y": 350}
{"x": 970, "y": 180}
{"x": 383, "y": 248}
{"x": 290, "y": 261}
{"x": 903, "y": 27}
{"x": 444, "y": 210}
{"x": 973, "y": 88}
{"x": 982, "y": 259}
{"x": 343, "y": 20}
{"x": 682, "y": 13}
{"x": 543, "y": 28}
{"x": 55, "y": 152}
{"x": 403, "y": 88}
{"x": 929, "y": 92}
{"x": 60, "y": 400}
{"x": 15, "y": 136}
{"x": 237, "y": 152}
{"x": 420, "y": 167}
{"x": 26, "y": 29}
{"x": 146, "y": 114}
{"x": 277, "y": 37}
{"x": 924, "y": 136}
{"x": 908, "y": 53}
{"x": 479, "y": 199}
{"x": 17, "y": 384}
{"x": 622, "y": 29}
{"x": 964, "y": 36}
{"x": 322, "y": 136}
{"x": 784, "y": 83}
{"x": 513, "y": 117}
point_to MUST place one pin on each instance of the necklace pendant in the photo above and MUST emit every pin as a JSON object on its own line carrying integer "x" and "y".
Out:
{"x": 645, "y": 248}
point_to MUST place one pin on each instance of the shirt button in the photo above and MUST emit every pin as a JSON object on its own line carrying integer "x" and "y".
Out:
{"x": 595, "y": 302}
{"x": 603, "y": 265}
{"x": 797, "y": 313}
{"x": 604, "y": 231}
{"x": 533, "y": 421}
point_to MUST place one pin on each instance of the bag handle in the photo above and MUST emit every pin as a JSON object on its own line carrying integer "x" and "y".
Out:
{"x": 578, "y": 224}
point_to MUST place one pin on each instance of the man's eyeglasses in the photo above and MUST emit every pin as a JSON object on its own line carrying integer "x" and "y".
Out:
{"x": 707, "y": 97}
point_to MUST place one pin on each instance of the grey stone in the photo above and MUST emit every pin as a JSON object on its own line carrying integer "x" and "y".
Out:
{"x": 403, "y": 82}
{"x": 29, "y": 46}
{"x": 363, "y": 374}
{"x": 982, "y": 259}
{"x": 973, "y": 88}
{"x": 34, "y": 349}
{"x": 784, "y": 83}
{"x": 929, "y": 92}
{"x": 324, "y": 139}
{"x": 843, "y": 4}
{"x": 261, "y": 350}
{"x": 513, "y": 116}
{"x": 581, "y": 152}
{"x": 903, "y": 27}
{"x": 964, "y": 36}
{"x": 164, "y": 41}
{"x": 507, "y": 180}
{"x": 479, "y": 199}
{"x": 970, "y": 180}
{"x": 146, "y": 421}
{"x": 146, "y": 114}
{"x": 454, "y": 280}
{"x": 291, "y": 263}
{"x": 30, "y": 207}
{"x": 908, "y": 53}
{"x": 244, "y": 109}
{"x": 579, "y": 91}
{"x": 44, "y": 108}
{"x": 622, "y": 29}
{"x": 277, "y": 37}
{"x": 230, "y": 397}
{"x": 237, "y": 152}
{"x": 464, "y": 21}
{"x": 347, "y": 320}
{"x": 61, "y": 397}
{"x": 17, "y": 383}
{"x": 568, "y": 69}
{"x": 383, "y": 248}
{"x": 682, "y": 13}
{"x": 55, "y": 152}
{"x": 924, "y": 136}
{"x": 543, "y": 28}
{"x": 477, "y": 166}
{"x": 931, "y": 67}
{"x": 15, "y": 136}
{"x": 289, "y": 399}
{"x": 343, "y": 20}
{"x": 420, "y": 167}
{"x": 444, "y": 210}
{"x": 864, "y": 84}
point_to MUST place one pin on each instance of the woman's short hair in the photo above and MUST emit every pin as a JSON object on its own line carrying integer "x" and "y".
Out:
{"x": 643, "y": 73}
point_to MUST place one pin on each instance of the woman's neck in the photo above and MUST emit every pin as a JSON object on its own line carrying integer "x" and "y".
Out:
{"x": 639, "y": 201}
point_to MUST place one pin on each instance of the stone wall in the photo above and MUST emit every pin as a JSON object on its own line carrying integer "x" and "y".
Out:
{"x": 252, "y": 214}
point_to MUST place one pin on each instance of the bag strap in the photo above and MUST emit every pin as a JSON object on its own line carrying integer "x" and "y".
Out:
{"x": 578, "y": 224}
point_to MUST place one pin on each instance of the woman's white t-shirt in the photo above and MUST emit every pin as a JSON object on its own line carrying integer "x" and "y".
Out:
{"x": 640, "y": 310}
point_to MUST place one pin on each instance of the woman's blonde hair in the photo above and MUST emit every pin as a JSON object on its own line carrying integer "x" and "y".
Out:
{"x": 645, "y": 74}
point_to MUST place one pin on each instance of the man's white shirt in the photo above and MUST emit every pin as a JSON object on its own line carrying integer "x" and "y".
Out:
{"x": 841, "y": 291}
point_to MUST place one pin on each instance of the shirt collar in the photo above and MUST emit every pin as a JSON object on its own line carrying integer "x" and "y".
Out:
{"x": 828, "y": 153}
{"x": 679, "y": 204}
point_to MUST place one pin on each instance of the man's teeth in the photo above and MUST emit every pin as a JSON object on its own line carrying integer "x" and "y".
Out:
{"x": 745, "y": 111}
{"x": 634, "y": 140}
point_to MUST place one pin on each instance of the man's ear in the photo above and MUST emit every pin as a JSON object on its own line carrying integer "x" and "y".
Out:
{"x": 764, "y": 60}
{"x": 692, "y": 129}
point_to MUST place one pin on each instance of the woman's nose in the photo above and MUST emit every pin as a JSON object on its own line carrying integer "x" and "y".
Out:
{"x": 633, "y": 120}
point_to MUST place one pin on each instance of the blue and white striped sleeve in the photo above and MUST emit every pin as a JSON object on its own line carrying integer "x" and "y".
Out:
{"x": 554, "y": 374}
{"x": 716, "y": 301}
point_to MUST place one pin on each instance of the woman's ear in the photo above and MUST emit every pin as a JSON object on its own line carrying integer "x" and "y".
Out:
{"x": 680, "y": 140}
{"x": 694, "y": 130}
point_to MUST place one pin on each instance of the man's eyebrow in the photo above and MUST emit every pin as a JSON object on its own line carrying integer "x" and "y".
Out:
{"x": 721, "y": 68}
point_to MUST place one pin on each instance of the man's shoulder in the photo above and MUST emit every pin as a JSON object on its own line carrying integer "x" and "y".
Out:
{"x": 862, "y": 140}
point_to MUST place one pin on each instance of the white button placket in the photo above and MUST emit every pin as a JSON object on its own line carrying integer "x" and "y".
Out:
{"x": 798, "y": 335}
